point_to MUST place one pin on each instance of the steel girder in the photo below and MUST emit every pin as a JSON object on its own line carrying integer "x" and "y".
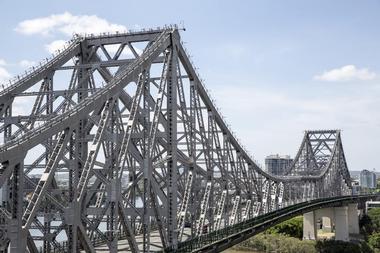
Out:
{"x": 120, "y": 141}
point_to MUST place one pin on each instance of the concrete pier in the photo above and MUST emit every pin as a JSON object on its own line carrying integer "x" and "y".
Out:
{"x": 341, "y": 220}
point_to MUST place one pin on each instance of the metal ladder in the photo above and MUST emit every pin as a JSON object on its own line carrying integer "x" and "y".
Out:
{"x": 246, "y": 210}
{"x": 130, "y": 125}
{"x": 219, "y": 212}
{"x": 100, "y": 196}
{"x": 265, "y": 196}
{"x": 204, "y": 205}
{"x": 185, "y": 201}
{"x": 158, "y": 105}
{"x": 273, "y": 197}
{"x": 234, "y": 210}
{"x": 45, "y": 179}
{"x": 94, "y": 149}
{"x": 256, "y": 209}
{"x": 281, "y": 194}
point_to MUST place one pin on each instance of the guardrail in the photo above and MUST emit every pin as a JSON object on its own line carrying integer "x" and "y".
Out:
{"x": 266, "y": 220}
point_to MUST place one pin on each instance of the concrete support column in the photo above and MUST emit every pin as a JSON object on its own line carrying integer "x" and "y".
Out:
{"x": 309, "y": 226}
{"x": 353, "y": 219}
{"x": 341, "y": 223}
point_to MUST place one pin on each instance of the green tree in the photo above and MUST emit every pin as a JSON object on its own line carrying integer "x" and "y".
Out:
{"x": 292, "y": 228}
{"x": 374, "y": 240}
{"x": 374, "y": 215}
{"x": 365, "y": 224}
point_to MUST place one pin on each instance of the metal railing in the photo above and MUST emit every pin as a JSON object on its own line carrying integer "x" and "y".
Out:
{"x": 65, "y": 50}
{"x": 267, "y": 220}
{"x": 42, "y": 66}
{"x": 97, "y": 95}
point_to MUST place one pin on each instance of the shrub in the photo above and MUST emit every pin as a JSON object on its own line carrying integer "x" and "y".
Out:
{"x": 331, "y": 246}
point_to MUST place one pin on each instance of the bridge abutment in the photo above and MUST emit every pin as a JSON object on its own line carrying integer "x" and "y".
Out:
{"x": 342, "y": 220}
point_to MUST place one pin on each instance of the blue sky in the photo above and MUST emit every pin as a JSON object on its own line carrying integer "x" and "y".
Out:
{"x": 275, "y": 68}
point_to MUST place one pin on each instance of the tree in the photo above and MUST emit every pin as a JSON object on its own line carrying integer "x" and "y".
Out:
{"x": 374, "y": 240}
{"x": 292, "y": 228}
{"x": 365, "y": 224}
{"x": 374, "y": 215}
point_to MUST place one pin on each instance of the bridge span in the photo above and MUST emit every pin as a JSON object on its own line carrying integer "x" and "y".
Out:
{"x": 116, "y": 139}
{"x": 225, "y": 238}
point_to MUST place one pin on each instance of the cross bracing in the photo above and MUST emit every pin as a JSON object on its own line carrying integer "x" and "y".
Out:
{"x": 117, "y": 139}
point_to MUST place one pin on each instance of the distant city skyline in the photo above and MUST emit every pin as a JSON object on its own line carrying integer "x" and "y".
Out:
{"x": 274, "y": 68}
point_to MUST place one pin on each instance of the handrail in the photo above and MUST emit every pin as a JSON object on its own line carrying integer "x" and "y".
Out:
{"x": 97, "y": 95}
{"x": 43, "y": 65}
{"x": 224, "y": 233}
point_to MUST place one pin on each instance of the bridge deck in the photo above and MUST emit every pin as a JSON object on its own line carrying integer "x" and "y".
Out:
{"x": 155, "y": 243}
{"x": 227, "y": 237}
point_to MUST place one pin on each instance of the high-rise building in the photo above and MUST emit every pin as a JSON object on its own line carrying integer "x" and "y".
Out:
{"x": 368, "y": 179}
{"x": 277, "y": 165}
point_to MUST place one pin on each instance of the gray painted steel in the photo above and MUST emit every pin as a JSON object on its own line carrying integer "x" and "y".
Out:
{"x": 127, "y": 120}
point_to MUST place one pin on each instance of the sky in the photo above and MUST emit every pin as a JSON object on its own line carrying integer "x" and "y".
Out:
{"x": 275, "y": 68}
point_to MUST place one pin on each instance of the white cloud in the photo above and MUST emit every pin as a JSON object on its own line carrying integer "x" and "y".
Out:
{"x": 54, "y": 46}
{"x": 4, "y": 75}
{"x": 67, "y": 24}
{"x": 27, "y": 63}
{"x": 346, "y": 73}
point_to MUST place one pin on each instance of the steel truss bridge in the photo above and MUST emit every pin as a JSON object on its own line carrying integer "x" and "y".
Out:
{"x": 116, "y": 138}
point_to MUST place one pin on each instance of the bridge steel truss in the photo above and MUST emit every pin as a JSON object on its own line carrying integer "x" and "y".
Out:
{"x": 116, "y": 138}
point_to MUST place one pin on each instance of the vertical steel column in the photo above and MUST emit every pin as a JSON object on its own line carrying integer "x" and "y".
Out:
{"x": 17, "y": 234}
{"x": 49, "y": 146}
{"x": 225, "y": 181}
{"x": 81, "y": 148}
{"x": 210, "y": 169}
{"x": 147, "y": 166}
{"x": 8, "y": 128}
{"x": 115, "y": 188}
{"x": 4, "y": 191}
{"x": 193, "y": 155}
{"x": 172, "y": 174}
